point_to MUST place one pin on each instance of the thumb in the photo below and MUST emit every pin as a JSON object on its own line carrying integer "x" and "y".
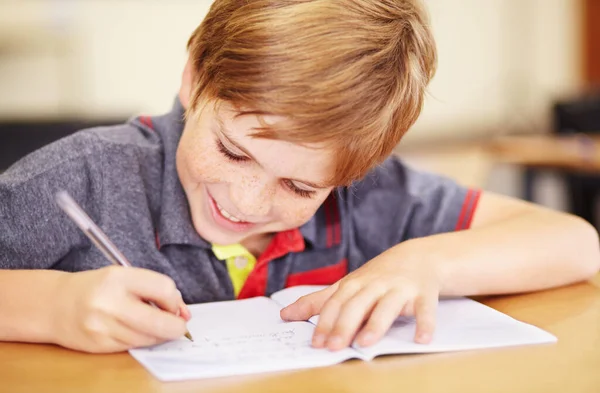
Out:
{"x": 307, "y": 306}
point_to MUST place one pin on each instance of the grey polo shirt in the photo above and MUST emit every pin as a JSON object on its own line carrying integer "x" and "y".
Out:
{"x": 125, "y": 178}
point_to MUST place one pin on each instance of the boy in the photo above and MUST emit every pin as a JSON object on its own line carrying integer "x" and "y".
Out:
{"x": 266, "y": 174}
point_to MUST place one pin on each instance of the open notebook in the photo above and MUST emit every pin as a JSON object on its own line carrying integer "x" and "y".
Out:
{"x": 248, "y": 336}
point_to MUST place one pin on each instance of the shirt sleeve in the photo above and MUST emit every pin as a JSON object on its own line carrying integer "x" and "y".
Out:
{"x": 34, "y": 232}
{"x": 395, "y": 203}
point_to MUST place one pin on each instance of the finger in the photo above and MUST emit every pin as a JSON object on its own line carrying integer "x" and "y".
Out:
{"x": 183, "y": 310}
{"x": 155, "y": 287}
{"x": 352, "y": 315}
{"x": 330, "y": 312}
{"x": 95, "y": 343}
{"x": 108, "y": 345}
{"x": 149, "y": 320}
{"x": 129, "y": 337}
{"x": 425, "y": 313}
{"x": 382, "y": 317}
{"x": 110, "y": 335}
{"x": 308, "y": 305}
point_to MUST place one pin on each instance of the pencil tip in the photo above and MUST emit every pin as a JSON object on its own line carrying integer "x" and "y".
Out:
{"x": 189, "y": 336}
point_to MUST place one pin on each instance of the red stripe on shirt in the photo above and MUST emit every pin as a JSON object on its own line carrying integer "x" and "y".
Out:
{"x": 329, "y": 220}
{"x": 471, "y": 211}
{"x": 468, "y": 208}
{"x": 147, "y": 121}
{"x": 322, "y": 276}
{"x": 463, "y": 210}
{"x": 337, "y": 236}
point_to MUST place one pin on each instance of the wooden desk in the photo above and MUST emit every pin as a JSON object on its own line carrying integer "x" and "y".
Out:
{"x": 572, "y": 365}
{"x": 575, "y": 157}
{"x": 577, "y": 153}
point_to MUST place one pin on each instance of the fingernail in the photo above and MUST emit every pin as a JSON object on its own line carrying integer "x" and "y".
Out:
{"x": 366, "y": 339}
{"x": 184, "y": 311}
{"x": 423, "y": 338}
{"x": 318, "y": 341}
{"x": 334, "y": 342}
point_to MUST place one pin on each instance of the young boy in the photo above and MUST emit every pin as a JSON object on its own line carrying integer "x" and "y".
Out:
{"x": 269, "y": 172}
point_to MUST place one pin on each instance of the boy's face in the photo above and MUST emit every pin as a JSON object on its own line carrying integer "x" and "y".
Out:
{"x": 239, "y": 187}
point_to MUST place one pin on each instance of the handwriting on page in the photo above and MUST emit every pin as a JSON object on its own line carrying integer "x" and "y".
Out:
{"x": 283, "y": 342}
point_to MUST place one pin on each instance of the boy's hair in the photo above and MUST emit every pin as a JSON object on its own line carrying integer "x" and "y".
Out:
{"x": 349, "y": 75}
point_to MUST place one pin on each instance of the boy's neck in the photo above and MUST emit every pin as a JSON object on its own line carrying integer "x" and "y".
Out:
{"x": 257, "y": 244}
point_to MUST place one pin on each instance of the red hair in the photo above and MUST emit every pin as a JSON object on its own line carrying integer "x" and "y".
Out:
{"x": 349, "y": 75}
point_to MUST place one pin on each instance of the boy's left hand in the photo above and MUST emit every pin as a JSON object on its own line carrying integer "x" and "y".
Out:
{"x": 397, "y": 282}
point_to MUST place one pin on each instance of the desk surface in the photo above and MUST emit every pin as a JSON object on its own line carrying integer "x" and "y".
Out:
{"x": 579, "y": 153}
{"x": 571, "y": 313}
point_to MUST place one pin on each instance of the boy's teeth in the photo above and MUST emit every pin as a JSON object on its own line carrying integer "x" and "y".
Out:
{"x": 226, "y": 214}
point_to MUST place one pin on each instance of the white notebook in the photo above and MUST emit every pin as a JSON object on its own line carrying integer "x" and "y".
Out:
{"x": 248, "y": 336}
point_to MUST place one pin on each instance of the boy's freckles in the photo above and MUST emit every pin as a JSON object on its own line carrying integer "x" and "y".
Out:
{"x": 258, "y": 189}
{"x": 296, "y": 216}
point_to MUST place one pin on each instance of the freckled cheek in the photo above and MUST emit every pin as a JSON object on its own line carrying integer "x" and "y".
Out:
{"x": 250, "y": 183}
{"x": 294, "y": 213}
{"x": 247, "y": 183}
{"x": 204, "y": 166}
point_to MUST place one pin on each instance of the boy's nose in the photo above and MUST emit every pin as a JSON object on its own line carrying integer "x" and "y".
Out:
{"x": 253, "y": 199}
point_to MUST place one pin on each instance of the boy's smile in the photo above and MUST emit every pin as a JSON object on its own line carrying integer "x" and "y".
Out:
{"x": 242, "y": 188}
{"x": 225, "y": 219}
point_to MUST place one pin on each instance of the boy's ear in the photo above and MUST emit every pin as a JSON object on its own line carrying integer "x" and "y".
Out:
{"x": 185, "y": 90}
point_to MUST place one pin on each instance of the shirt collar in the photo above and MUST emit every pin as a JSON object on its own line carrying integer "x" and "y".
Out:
{"x": 174, "y": 223}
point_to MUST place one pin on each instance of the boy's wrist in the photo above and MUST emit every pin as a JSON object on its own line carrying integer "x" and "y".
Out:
{"x": 29, "y": 305}
{"x": 49, "y": 320}
{"x": 432, "y": 254}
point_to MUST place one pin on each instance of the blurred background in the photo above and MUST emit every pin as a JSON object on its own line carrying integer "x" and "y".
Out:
{"x": 513, "y": 107}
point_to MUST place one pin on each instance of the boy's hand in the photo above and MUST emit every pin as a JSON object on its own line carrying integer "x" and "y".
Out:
{"x": 397, "y": 282}
{"x": 105, "y": 310}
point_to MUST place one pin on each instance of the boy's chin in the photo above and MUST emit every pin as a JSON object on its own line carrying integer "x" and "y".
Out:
{"x": 218, "y": 237}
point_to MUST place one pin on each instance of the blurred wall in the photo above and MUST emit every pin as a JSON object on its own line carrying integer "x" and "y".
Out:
{"x": 501, "y": 61}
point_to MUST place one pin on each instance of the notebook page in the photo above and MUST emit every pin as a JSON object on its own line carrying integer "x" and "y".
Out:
{"x": 238, "y": 350}
{"x": 257, "y": 311}
{"x": 462, "y": 324}
{"x": 287, "y": 296}
{"x": 236, "y": 337}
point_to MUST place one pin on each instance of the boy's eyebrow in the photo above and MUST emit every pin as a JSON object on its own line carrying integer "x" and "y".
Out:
{"x": 246, "y": 152}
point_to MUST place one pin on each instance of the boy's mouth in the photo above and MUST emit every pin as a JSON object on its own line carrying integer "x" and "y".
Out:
{"x": 227, "y": 220}
{"x": 226, "y": 214}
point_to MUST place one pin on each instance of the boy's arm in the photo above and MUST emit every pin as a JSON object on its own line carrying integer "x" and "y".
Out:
{"x": 473, "y": 242}
{"x": 513, "y": 246}
{"x": 102, "y": 310}
{"x": 27, "y": 304}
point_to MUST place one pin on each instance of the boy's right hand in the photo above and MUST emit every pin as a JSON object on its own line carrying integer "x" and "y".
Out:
{"x": 106, "y": 310}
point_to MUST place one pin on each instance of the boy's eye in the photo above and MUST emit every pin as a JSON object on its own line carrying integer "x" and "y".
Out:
{"x": 298, "y": 191}
{"x": 228, "y": 154}
{"x": 239, "y": 158}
